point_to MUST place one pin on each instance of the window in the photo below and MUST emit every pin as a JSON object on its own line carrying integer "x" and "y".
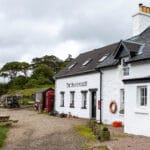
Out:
{"x": 103, "y": 58}
{"x": 126, "y": 71}
{"x": 62, "y": 96}
{"x": 72, "y": 94}
{"x": 84, "y": 99}
{"x": 86, "y": 62}
{"x": 125, "y": 67}
{"x": 142, "y": 96}
{"x": 122, "y": 94}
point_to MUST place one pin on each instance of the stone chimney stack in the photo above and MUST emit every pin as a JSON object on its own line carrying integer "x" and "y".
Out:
{"x": 141, "y": 20}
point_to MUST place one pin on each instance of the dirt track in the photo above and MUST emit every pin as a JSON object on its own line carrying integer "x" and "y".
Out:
{"x": 39, "y": 131}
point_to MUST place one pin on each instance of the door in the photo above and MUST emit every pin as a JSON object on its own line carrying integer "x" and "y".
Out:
{"x": 93, "y": 99}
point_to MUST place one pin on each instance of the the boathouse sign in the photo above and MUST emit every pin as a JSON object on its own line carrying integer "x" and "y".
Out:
{"x": 76, "y": 84}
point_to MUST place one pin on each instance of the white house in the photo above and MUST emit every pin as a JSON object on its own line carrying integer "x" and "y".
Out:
{"x": 111, "y": 83}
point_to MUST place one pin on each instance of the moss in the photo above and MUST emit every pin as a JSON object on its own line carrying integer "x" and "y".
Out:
{"x": 85, "y": 132}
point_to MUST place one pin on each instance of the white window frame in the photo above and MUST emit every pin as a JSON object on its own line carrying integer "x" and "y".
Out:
{"x": 122, "y": 98}
{"x": 103, "y": 58}
{"x": 126, "y": 71}
{"x": 62, "y": 99}
{"x": 72, "y": 97}
{"x": 87, "y": 62}
{"x": 84, "y": 99}
{"x": 142, "y": 96}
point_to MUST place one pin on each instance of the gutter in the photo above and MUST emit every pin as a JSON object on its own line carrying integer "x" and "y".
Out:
{"x": 101, "y": 96}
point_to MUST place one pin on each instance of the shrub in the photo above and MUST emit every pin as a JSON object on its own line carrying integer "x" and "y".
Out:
{"x": 62, "y": 115}
{"x": 105, "y": 134}
{"x": 105, "y": 129}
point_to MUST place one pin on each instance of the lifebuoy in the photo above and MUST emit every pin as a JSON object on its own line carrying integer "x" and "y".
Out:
{"x": 113, "y": 106}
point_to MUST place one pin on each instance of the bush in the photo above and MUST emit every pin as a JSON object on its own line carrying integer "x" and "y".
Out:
{"x": 18, "y": 82}
{"x": 62, "y": 115}
{"x": 105, "y": 129}
{"x": 26, "y": 101}
{"x": 31, "y": 83}
{"x": 105, "y": 135}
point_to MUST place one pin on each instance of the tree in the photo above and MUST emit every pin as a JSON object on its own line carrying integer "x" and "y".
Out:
{"x": 3, "y": 88}
{"x": 18, "y": 82}
{"x": 52, "y": 61}
{"x": 24, "y": 66}
{"x": 42, "y": 71}
{"x": 4, "y": 75}
{"x": 11, "y": 69}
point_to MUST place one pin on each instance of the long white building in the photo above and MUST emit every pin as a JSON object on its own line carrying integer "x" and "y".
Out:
{"x": 111, "y": 83}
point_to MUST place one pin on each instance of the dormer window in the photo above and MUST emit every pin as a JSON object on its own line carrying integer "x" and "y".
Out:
{"x": 103, "y": 58}
{"x": 72, "y": 65}
{"x": 86, "y": 62}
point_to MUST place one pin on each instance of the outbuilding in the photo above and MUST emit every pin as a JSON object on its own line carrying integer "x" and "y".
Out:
{"x": 44, "y": 99}
{"x": 111, "y": 83}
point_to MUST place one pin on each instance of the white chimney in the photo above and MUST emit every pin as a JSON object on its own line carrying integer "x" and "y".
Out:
{"x": 141, "y": 20}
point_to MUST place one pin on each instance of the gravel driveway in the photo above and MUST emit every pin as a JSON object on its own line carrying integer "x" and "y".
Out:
{"x": 40, "y": 131}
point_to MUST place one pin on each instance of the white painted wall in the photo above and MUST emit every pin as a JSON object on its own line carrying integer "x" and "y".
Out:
{"x": 137, "y": 120}
{"x": 140, "y": 69}
{"x": 112, "y": 83}
{"x": 140, "y": 22}
{"x": 93, "y": 81}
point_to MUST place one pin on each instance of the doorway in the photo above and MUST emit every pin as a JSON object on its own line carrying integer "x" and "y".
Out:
{"x": 93, "y": 104}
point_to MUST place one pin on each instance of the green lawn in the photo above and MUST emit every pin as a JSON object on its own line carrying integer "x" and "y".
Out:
{"x": 3, "y": 134}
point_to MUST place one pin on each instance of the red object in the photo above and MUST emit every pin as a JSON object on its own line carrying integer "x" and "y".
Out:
{"x": 117, "y": 124}
{"x": 113, "y": 106}
{"x": 99, "y": 104}
{"x": 49, "y": 100}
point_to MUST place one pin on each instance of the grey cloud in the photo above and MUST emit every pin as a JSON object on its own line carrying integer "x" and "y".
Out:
{"x": 33, "y": 28}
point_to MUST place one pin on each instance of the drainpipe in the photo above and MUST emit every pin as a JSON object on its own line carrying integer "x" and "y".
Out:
{"x": 101, "y": 96}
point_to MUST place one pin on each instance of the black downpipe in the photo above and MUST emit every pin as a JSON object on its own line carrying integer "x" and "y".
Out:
{"x": 101, "y": 96}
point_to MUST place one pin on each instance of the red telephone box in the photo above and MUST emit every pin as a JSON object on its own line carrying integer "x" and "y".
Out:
{"x": 49, "y": 100}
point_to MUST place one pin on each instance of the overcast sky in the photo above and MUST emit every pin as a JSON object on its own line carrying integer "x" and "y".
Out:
{"x": 34, "y": 28}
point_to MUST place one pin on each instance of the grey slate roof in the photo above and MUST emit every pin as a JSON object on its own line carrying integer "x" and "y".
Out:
{"x": 132, "y": 45}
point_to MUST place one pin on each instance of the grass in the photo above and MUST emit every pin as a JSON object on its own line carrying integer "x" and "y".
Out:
{"x": 3, "y": 134}
{"x": 28, "y": 92}
{"x": 85, "y": 132}
{"x": 102, "y": 148}
{"x": 26, "y": 101}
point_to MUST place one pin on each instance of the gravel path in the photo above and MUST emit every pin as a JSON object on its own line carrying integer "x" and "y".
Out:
{"x": 40, "y": 131}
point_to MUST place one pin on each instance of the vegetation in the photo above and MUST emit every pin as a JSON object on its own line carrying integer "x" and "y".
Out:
{"x": 22, "y": 75}
{"x": 85, "y": 132}
{"x": 3, "y": 134}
